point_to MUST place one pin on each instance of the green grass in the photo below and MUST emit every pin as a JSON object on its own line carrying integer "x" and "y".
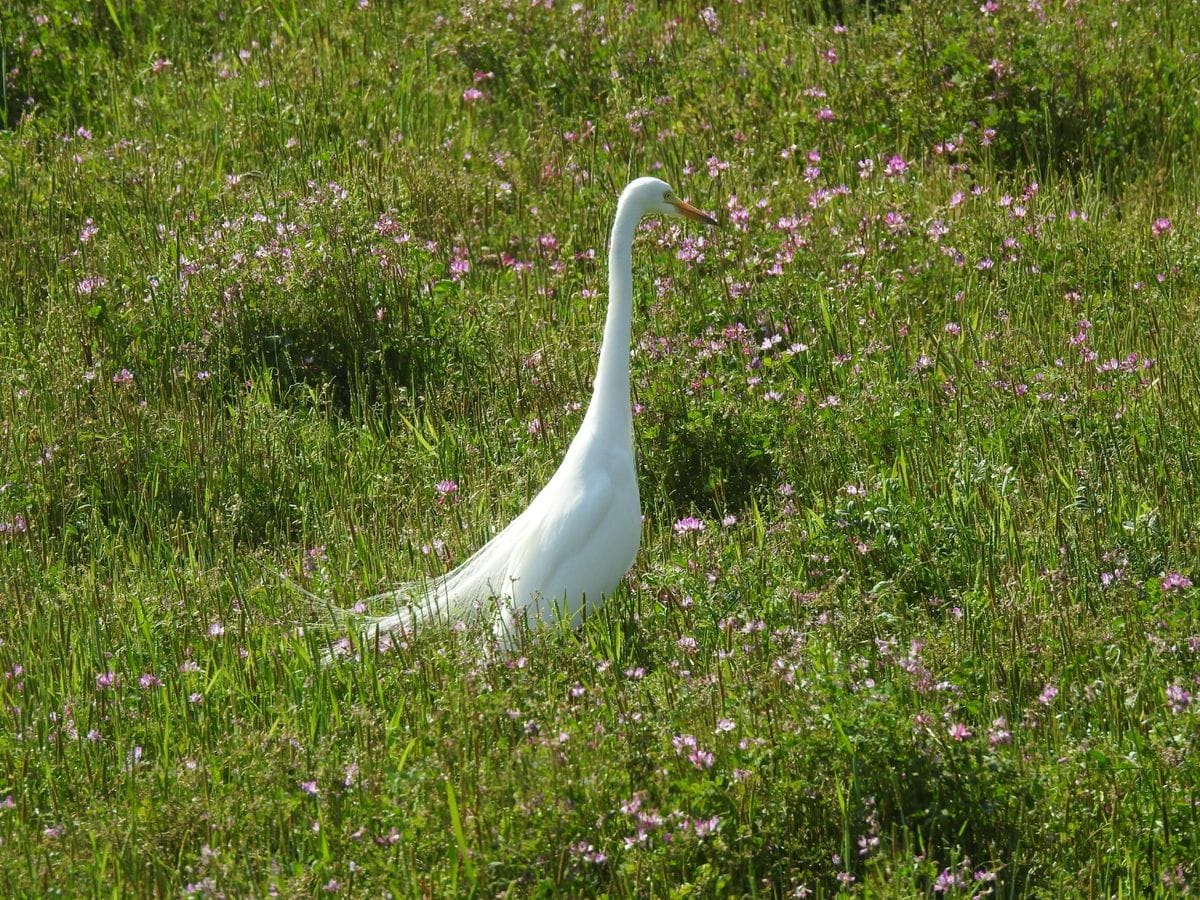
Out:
{"x": 937, "y": 636}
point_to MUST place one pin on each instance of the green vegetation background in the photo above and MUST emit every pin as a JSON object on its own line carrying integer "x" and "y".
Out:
{"x": 924, "y": 411}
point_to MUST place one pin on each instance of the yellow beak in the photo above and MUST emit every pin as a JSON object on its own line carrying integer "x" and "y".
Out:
{"x": 686, "y": 209}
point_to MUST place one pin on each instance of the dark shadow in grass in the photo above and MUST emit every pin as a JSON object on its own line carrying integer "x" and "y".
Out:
{"x": 707, "y": 465}
{"x": 356, "y": 370}
{"x": 931, "y": 798}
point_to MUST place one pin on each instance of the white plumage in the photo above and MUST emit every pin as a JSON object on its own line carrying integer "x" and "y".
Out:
{"x": 578, "y": 537}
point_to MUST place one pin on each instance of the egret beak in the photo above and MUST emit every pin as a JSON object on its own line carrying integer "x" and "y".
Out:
{"x": 686, "y": 209}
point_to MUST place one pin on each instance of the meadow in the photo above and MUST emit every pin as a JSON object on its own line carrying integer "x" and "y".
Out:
{"x": 316, "y": 289}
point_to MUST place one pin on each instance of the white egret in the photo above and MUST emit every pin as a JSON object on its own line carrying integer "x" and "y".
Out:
{"x": 578, "y": 537}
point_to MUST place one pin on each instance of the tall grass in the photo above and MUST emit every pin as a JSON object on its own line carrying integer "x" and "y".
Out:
{"x": 917, "y": 434}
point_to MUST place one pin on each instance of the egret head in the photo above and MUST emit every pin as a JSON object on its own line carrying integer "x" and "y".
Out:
{"x": 656, "y": 198}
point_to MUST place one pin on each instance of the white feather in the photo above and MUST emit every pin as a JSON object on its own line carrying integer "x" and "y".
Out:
{"x": 578, "y": 537}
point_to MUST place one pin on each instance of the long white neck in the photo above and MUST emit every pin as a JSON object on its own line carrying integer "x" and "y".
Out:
{"x": 609, "y": 414}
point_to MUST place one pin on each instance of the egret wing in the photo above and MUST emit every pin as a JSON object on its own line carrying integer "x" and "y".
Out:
{"x": 567, "y": 529}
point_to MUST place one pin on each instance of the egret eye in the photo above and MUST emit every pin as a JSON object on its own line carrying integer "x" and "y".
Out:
{"x": 667, "y": 196}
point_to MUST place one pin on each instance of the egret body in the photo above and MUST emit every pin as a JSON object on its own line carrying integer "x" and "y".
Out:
{"x": 570, "y": 548}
